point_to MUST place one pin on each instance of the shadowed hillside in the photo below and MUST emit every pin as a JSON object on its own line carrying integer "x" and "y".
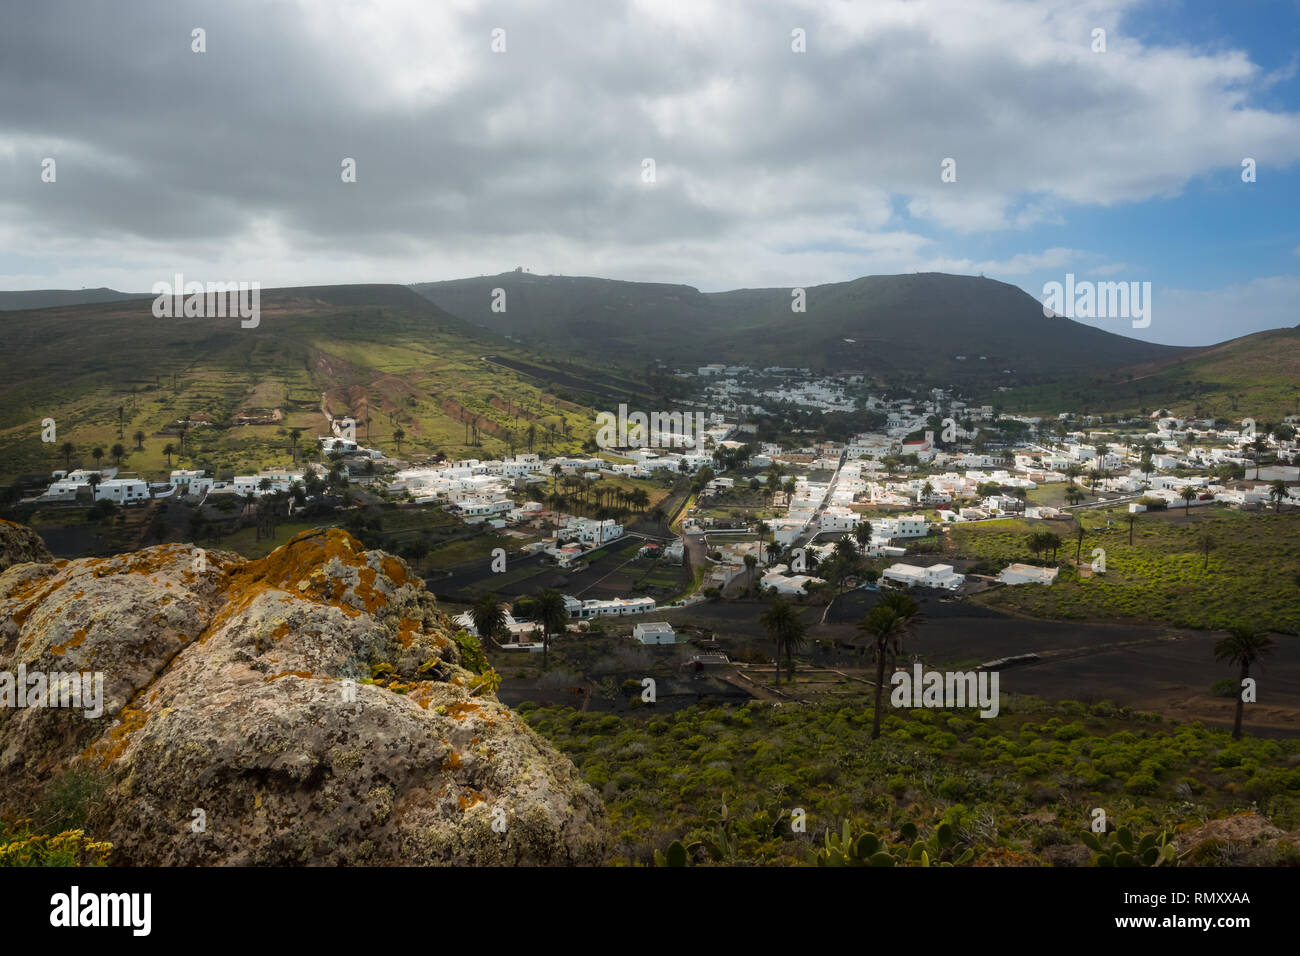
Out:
{"x": 900, "y": 325}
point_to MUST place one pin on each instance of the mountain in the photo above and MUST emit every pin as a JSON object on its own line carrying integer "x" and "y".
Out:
{"x": 52, "y": 298}
{"x": 890, "y": 326}
{"x": 369, "y": 351}
{"x": 1254, "y": 376}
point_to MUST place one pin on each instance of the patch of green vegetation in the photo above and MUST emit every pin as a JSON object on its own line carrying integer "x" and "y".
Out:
{"x": 1016, "y": 785}
{"x": 1164, "y": 576}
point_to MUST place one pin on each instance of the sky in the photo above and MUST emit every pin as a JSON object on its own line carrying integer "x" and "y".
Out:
{"x": 793, "y": 143}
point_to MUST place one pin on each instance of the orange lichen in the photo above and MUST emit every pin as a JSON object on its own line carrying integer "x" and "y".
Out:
{"x": 407, "y": 631}
{"x": 119, "y": 737}
{"x": 78, "y": 638}
{"x": 461, "y": 709}
{"x": 452, "y": 762}
{"x": 466, "y": 802}
{"x": 303, "y": 674}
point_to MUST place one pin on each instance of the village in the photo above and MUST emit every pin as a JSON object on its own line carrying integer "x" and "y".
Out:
{"x": 746, "y": 508}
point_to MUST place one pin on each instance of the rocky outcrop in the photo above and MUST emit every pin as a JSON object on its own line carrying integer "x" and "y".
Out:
{"x": 19, "y": 544}
{"x": 310, "y": 707}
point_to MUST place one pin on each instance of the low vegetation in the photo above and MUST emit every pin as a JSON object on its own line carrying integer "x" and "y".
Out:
{"x": 1020, "y": 788}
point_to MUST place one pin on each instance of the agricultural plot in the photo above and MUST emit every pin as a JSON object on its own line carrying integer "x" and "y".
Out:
{"x": 379, "y": 354}
{"x": 1249, "y": 575}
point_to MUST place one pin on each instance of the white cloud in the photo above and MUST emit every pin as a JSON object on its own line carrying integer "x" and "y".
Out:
{"x": 774, "y": 167}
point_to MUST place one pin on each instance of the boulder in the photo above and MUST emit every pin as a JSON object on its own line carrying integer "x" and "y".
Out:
{"x": 310, "y": 707}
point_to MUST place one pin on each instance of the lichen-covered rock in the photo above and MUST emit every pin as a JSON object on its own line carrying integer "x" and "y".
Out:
{"x": 309, "y": 707}
{"x": 19, "y": 545}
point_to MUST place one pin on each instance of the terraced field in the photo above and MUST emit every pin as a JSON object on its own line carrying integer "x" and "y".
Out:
{"x": 380, "y": 354}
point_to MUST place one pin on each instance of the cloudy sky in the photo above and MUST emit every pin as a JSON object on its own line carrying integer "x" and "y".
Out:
{"x": 772, "y": 167}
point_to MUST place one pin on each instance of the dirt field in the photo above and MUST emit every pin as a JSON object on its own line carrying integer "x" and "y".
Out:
{"x": 1159, "y": 669}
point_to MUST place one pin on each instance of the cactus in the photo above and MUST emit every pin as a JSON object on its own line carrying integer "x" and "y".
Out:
{"x": 676, "y": 855}
{"x": 1120, "y": 848}
{"x": 870, "y": 849}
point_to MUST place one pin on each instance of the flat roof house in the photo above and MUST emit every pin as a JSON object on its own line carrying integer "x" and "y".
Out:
{"x": 1027, "y": 574}
{"x": 935, "y": 576}
{"x": 654, "y": 632}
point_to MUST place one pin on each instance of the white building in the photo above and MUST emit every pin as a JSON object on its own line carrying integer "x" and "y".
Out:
{"x": 614, "y": 607}
{"x": 122, "y": 490}
{"x": 251, "y": 484}
{"x": 906, "y": 526}
{"x": 935, "y": 576}
{"x": 1027, "y": 574}
{"x": 195, "y": 483}
{"x": 654, "y": 632}
{"x": 839, "y": 518}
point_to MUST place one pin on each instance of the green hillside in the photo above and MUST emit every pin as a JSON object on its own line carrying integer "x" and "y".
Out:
{"x": 377, "y": 352}
{"x": 894, "y": 327}
{"x": 56, "y": 298}
{"x": 1256, "y": 376}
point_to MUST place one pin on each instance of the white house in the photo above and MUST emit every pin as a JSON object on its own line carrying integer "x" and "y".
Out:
{"x": 480, "y": 507}
{"x": 614, "y": 607}
{"x": 122, "y": 490}
{"x": 906, "y": 526}
{"x": 191, "y": 482}
{"x": 935, "y": 576}
{"x": 1027, "y": 574}
{"x": 839, "y": 518}
{"x": 775, "y": 577}
{"x": 280, "y": 481}
{"x": 654, "y": 632}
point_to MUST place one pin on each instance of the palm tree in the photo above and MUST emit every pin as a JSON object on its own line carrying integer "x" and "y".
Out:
{"x": 489, "y": 617}
{"x": 139, "y": 440}
{"x": 1079, "y": 533}
{"x": 1053, "y": 541}
{"x": 773, "y": 551}
{"x": 751, "y": 563}
{"x": 796, "y": 639}
{"x": 1188, "y": 494}
{"x": 892, "y": 619}
{"x": 550, "y": 610}
{"x": 1277, "y": 491}
{"x": 786, "y": 629}
{"x": 1243, "y": 647}
{"x": 1205, "y": 542}
{"x": 168, "y": 450}
{"x": 1259, "y": 446}
{"x": 294, "y": 435}
{"x": 862, "y": 533}
{"x": 117, "y": 452}
{"x": 1073, "y": 495}
{"x": 398, "y": 434}
{"x": 97, "y": 453}
{"x": 94, "y": 480}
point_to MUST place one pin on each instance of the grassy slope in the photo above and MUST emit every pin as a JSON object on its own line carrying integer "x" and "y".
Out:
{"x": 1251, "y": 577}
{"x": 900, "y": 325}
{"x": 1256, "y": 376}
{"x": 1014, "y": 785}
{"x": 376, "y": 349}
